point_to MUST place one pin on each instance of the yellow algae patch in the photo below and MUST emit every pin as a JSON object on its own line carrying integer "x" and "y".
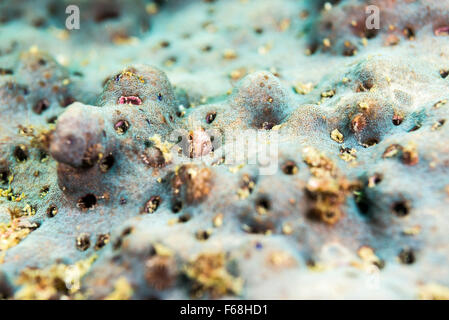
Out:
{"x": 12, "y": 233}
{"x": 303, "y": 88}
{"x": 209, "y": 275}
{"x": 58, "y": 281}
{"x": 433, "y": 291}
{"x": 163, "y": 146}
{"x": 122, "y": 290}
{"x": 337, "y": 136}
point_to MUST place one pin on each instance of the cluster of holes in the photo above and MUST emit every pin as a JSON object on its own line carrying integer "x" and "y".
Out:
{"x": 18, "y": 88}
{"x": 89, "y": 201}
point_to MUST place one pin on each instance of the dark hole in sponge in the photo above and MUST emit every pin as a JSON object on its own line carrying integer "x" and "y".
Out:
{"x": 102, "y": 240}
{"x": 184, "y": 218}
{"x": 152, "y": 204}
{"x": 444, "y": 73}
{"x": 375, "y": 179}
{"x": 409, "y": 33}
{"x": 176, "y": 206}
{"x": 87, "y": 202}
{"x": 202, "y": 235}
{"x": 106, "y": 163}
{"x": 416, "y": 127}
{"x": 289, "y": 168}
{"x": 313, "y": 47}
{"x": 267, "y": 125}
{"x": 401, "y": 208}
{"x": 371, "y": 33}
{"x": 121, "y": 126}
{"x": 41, "y": 106}
{"x": 60, "y": 285}
{"x": 66, "y": 101}
{"x": 21, "y": 153}
{"x": 4, "y": 174}
{"x": 368, "y": 84}
{"x": 210, "y": 117}
{"x": 349, "y": 50}
{"x": 370, "y": 142}
{"x": 363, "y": 202}
{"x": 119, "y": 241}
{"x": 263, "y": 203}
{"x": 83, "y": 242}
{"x": 407, "y": 256}
{"x": 52, "y": 210}
{"x": 43, "y": 155}
{"x": 365, "y": 85}
{"x": 106, "y": 13}
{"x": 4, "y": 72}
{"x": 52, "y": 120}
{"x": 258, "y": 226}
{"x": 397, "y": 120}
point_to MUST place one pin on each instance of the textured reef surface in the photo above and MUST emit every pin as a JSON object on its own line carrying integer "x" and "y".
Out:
{"x": 128, "y": 169}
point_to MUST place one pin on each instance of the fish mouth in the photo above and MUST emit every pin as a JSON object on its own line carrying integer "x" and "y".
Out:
{"x": 135, "y": 100}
